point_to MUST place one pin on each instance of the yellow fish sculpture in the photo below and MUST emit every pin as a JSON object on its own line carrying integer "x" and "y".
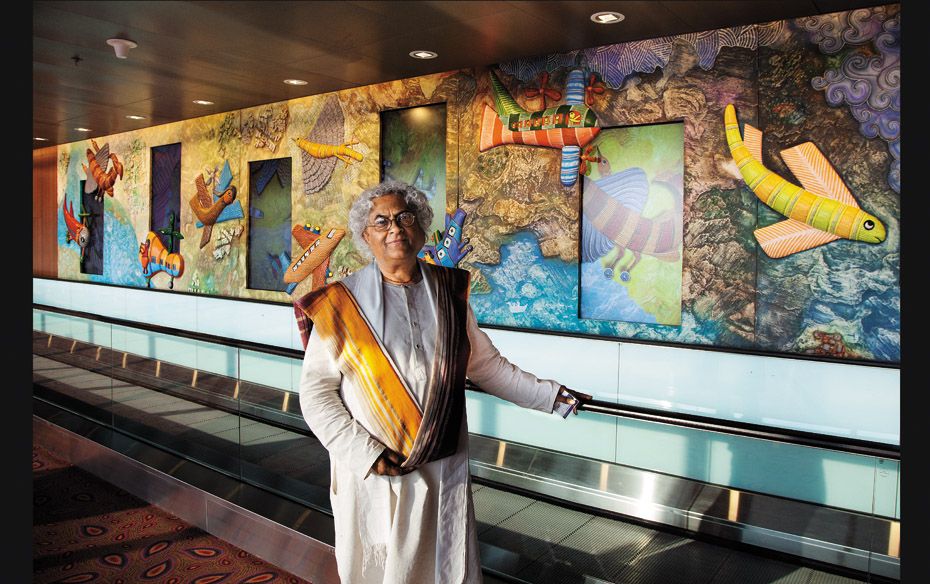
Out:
{"x": 822, "y": 211}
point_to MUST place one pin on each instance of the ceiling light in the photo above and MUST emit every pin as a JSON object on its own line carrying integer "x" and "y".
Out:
{"x": 122, "y": 46}
{"x": 295, "y": 81}
{"x": 607, "y": 17}
{"x": 423, "y": 54}
{"x": 41, "y": 139}
{"x": 203, "y": 102}
{"x": 132, "y": 117}
{"x": 83, "y": 129}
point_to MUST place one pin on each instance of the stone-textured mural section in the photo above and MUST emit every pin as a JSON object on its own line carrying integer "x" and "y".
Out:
{"x": 812, "y": 164}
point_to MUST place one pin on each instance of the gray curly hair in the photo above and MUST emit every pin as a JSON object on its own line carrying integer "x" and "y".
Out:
{"x": 358, "y": 213}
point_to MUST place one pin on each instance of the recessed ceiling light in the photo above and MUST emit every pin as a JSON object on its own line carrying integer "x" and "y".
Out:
{"x": 83, "y": 129}
{"x": 132, "y": 117}
{"x": 203, "y": 102}
{"x": 423, "y": 54}
{"x": 41, "y": 139}
{"x": 607, "y": 17}
{"x": 295, "y": 81}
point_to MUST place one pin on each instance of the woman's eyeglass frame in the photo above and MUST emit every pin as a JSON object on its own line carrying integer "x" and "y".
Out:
{"x": 403, "y": 219}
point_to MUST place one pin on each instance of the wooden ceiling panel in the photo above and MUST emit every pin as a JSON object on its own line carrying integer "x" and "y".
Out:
{"x": 711, "y": 14}
{"x": 237, "y": 54}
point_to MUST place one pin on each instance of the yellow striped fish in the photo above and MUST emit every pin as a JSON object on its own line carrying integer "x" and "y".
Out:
{"x": 821, "y": 212}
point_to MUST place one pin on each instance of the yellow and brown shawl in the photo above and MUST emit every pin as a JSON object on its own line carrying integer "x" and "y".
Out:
{"x": 398, "y": 421}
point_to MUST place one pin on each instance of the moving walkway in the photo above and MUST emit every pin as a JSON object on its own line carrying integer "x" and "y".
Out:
{"x": 232, "y": 452}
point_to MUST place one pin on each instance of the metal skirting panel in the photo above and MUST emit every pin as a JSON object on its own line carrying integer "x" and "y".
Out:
{"x": 286, "y": 548}
{"x": 846, "y": 539}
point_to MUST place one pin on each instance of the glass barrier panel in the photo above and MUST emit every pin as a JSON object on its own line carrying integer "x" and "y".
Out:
{"x": 71, "y": 361}
{"x": 887, "y": 488}
{"x": 278, "y": 451}
{"x": 816, "y": 475}
{"x": 587, "y": 434}
{"x": 167, "y": 399}
{"x": 255, "y": 322}
{"x": 844, "y": 400}
{"x": 238, "y": 410}
{"x": 587, "y": 365}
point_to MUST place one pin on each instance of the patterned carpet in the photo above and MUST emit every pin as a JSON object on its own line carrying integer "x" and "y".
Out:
{"x": 87, "y": 530}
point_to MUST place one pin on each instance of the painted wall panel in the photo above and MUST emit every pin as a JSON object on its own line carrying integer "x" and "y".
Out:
{"x": 44, "y": 211}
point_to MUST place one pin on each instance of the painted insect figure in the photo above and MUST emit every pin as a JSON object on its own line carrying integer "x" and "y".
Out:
{"x": 543, "y": 91}
{"x": 592, "y": 153}
{"x": 594, "y": 86}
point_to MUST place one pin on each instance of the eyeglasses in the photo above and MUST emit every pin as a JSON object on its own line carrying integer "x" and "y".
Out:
{"x": 403, "y": 219}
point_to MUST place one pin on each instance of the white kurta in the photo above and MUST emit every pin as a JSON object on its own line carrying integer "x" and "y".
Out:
{"x": 420, "y": 527}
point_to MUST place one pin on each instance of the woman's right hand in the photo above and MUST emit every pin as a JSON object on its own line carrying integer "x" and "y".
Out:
{"x": 388, "y": 464}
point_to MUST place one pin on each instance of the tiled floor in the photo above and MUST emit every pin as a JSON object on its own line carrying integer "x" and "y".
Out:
{"x": 87, "y": 530}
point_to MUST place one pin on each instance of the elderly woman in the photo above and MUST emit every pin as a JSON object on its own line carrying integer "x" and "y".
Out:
{"x": 382, "y": 388}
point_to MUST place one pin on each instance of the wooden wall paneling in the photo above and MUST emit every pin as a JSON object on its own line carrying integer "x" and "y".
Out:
{"x": 44, "y": 212}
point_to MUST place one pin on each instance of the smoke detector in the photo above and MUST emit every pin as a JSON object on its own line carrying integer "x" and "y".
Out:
{"x": 122, "y": 46}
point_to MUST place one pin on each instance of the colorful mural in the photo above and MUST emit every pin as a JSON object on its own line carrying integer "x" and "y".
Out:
{"x": 830, "y": 82}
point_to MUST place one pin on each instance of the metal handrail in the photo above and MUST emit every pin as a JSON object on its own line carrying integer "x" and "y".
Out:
{"x": 705, "y": 423}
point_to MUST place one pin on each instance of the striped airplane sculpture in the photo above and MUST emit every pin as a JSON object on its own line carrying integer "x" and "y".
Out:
{"x": 569, "y": 127}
